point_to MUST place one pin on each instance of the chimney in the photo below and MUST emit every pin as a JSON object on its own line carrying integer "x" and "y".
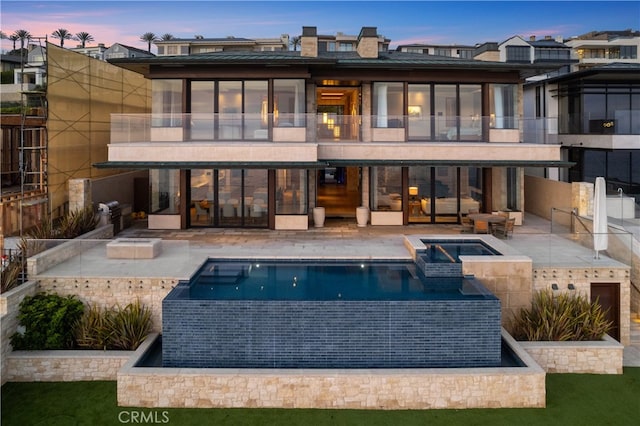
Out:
{"x": 309, "y": 42}
{"x": 368, "y": 42}
{"x": 548, "y": 37}
{"x": 532, "y": 38}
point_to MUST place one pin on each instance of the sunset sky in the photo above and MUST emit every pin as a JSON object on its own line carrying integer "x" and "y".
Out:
{"x": 404, "y": 22}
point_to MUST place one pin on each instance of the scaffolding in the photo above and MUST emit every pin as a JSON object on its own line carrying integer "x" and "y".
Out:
{"x": 25, "y": 202}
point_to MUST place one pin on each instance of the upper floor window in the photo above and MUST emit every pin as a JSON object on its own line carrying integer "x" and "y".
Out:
{"x": 388, "y": 104}
{"x": 166, "y": 105}
{"x": 518, "y": 54}
{"x": 504, "y": 106}
{"x": 443, "y": 51}
{"x": 552, "y": 54}
{"x": 628, "y": 52}
{"x": 345, "y": 47}
{"x": 465, "y": 53}
{"x": 594, "y": 53}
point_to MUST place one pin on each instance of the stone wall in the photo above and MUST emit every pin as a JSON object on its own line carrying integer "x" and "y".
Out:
{"x": 9, "y": 308}
{"x": 508, "y": 277}
{"x": 582, "y": 278}
{"x": 603, "y": 357}
{"x": 379, "y": 389}
{"x": 64, "y": 365}
{"x": 107, "y": 292}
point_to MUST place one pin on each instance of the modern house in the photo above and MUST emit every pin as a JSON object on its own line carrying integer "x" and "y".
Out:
{"x": 603, "y": 47}
{"x": 453, "y": 51}
{"x": 258, "y": 139}
{"x": 201, "y": 44}
{"x": 597, "y": 110}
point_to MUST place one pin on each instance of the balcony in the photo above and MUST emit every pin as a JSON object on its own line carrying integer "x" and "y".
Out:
{"x": 320, "y": 128}
{"x": 310, "y": 140}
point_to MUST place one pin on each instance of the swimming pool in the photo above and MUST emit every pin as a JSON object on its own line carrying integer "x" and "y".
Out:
{"x": 329, "y": 280}
{"x": 328, "y": 314}
{"x": 450, "y": 250}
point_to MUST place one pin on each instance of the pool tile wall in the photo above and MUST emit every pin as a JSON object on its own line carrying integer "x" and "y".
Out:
{"x": 330, "y": 334}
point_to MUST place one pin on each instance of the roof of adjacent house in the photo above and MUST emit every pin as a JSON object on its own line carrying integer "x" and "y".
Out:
{"x": 609, "y": 72}
{"x": 340, "y": 60}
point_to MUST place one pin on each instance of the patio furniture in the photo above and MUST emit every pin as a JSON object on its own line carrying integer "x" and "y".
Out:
{"x": 467, "y": 224}
{"x": 504, "y": 230}
{"x": 482, "y": 222}
{"x": 480, "y": 227}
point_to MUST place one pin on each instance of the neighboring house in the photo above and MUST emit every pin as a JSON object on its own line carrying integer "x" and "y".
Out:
{"x": 258, "y": 139}
{"x": 603, "y": 47}
{"x": 453, "y": 51}
{"x": 118, "y": 50}
{"x": 597, "y": 111}
{"x": 9, "y": 62}
{"x": 34, "y": 71}
{"x": 532, "y": 51}
{"x": 200, "y": 44}
{"x": 96, "y": 52}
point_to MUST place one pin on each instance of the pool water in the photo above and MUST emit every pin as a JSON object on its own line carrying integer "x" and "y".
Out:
{"x": 449, "y": 251}
{"x": 347, "y": 280}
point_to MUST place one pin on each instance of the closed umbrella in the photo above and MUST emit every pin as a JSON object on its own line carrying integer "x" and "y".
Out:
{"x": 600, "y": 226}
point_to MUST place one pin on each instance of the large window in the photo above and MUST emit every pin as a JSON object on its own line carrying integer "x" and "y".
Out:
{"x": 202, "y": 122}
{"x": 166, "y": 107}
{"x": 388, "y": 104}
{"x": 518, "y": 54}
{"x": 165, "y": 191}
{"x": 255, "y": 101}
{"x": 419, "y": 111}
{"x": 504, "y": 106}
{"x": 446, "y": 111}
{"x": 549, "y": 54}
{"x": 291, "y": 191}
{"x": 386, "y": 188}
{"x": 599, "y": 108}
{"x": 289, "y": 103}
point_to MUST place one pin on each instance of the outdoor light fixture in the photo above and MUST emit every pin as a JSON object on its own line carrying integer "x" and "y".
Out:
{"x": 571, "y": 286}
{"x": 554, "y": 286}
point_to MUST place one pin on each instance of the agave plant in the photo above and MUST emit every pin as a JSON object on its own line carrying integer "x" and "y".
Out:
{"x": 93, "y": 330}
{"x": 565, "y": 317}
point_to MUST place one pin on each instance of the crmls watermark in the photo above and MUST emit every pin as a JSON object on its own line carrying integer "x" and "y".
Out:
{"x": 143, "y": 417}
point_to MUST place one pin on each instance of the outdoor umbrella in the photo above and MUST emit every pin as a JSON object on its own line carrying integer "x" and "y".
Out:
{"x": 600, "y": 227}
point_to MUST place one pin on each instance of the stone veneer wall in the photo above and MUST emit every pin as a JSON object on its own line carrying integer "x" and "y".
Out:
{"x": 64, "y": 365}
{"x": 107, "y": 292}
{"x": 582, "y": 278}
{"x": 508, "y": 277}
{"x": 603, "y": 357}
{"x": 395, "y": 389}
{"x": 9, "y": 308}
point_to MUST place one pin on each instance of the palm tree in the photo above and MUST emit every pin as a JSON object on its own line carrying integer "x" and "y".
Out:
{"x": 295, "y": 42}
{"x": 167, "y": 37}
{"x": 22, "y": 35}
{"x": 84, "y": 37}
{"x": 13, "y": 37}
{"x": 148, "y": 38}
{"x": 62, "y": 34}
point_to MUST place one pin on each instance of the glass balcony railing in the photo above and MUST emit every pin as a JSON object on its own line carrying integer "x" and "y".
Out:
{"x": 326, "y": 127}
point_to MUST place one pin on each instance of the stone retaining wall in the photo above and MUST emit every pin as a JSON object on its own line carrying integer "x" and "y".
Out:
{"x": 9, "y": 308}
{"x": 386, "y": 389}
{"x": 65, "y": 366}
{"x": 603, "y": 357}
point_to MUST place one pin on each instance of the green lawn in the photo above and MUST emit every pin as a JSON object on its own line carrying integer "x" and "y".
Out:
{"x": 572, "y": 399}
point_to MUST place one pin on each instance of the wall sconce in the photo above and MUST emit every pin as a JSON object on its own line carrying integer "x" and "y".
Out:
{"x": 554, "y": 286}
{"x": 571, "y": 286}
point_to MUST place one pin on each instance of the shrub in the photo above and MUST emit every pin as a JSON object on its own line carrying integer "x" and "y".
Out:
{"x": 48, "y": 321}
{"x": 116, "y": 328}
{"x": 565, "y": 317}
{"x": 93, "y": 331}
{"x": 131, "y": 326}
